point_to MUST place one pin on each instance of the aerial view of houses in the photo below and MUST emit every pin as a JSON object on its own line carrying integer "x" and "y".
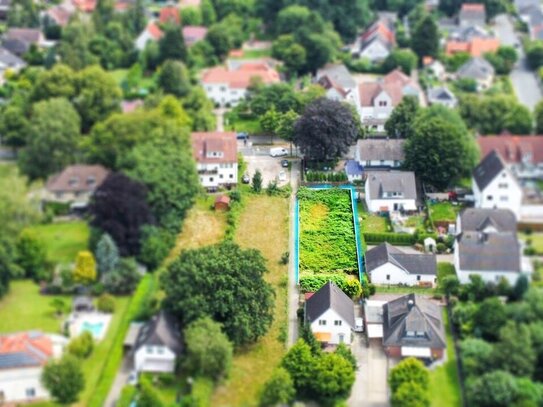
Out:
{"x": 271, "y": 203}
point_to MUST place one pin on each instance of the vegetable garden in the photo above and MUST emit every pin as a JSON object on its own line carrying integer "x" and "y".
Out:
{"x": 327, "y": 240}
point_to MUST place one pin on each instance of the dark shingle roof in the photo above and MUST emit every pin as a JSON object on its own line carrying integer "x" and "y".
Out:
{"x": 415, "y": 314}
{"x": 375, "y": 149}
{"x": 161, "y": 330}
{"x": 489, "y": 252}
{"x": 330, "y": 296}
{"x": 478, "y": 219}
{"x": 488, "y": 169}
{"x": 393, "y": 181}
{"x": 412, "y": 263}
{"x": 353, "y": 168}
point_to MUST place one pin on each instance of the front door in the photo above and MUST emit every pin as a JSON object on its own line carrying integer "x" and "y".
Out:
{"x": 341, "y": 338}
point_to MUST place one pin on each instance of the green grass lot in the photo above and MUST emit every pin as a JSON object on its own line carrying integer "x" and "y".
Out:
{"x": 444, "y": 211}
{"x": 251, "y": 126}
{"x": 370, "y": 223}
{"x": 7, "y": 168}
{"x": 255, "y": 53}
{"x": 537, "y": 241}
{"x": 23, "y": 308}
{"x": 444, "y": 382}
{"x": 393, "y": 289}
{"x": 63, "y": 240}
{"x": 120, "y": 74}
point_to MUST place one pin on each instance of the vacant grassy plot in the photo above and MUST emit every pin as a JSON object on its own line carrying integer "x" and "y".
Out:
{"x": 202, "y": 227}
{"x": 120, "y": 74}
{"x": 255, "y": 53}
{"x": 234, "y": 123}
{"x": 536, "y": 241}
{"x": 23, "y": 308}
{"x": 63, "y": 240}
{"x": 326, "y": 227}
{"x": 444, "y": 211}
{"x": 444, "y": 383}
{"x": 264, "y": 226}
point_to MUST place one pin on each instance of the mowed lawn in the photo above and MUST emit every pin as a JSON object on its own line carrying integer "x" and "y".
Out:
{"x": 63, "y": 240}
{"x": 23, "y": 308}
{"x": 536, "y": 239}
{"x": 444, "y": 383}
{"x": 264, "y": 226}
{"x": 444, "y": 211}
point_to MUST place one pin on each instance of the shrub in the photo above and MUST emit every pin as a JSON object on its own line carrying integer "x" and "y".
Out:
{"x": 85, "y": 268}
{"x": 441, "y": 248}
{"x": 128, "y": 394}
{"x": 106, "y": 303}
{"x": 285, "y": 257}
{"x": 82, "y": 345}
{"x": 348, "y": 284}
{"x": 400, "y": 239}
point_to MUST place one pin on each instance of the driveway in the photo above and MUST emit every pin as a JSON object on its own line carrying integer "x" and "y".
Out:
{"x": 370, "y": 387}
{"x": 268, "y": 166}
{"x": 524, "y": 81}
{"x": 120, "y": 381}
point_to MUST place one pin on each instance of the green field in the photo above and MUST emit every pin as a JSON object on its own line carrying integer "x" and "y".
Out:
{"x": 536, "y": 241}
{"x": 63, "y": 240}
{"x": 233, "y": 123}
{"x": 444, "y": 382}
{"x": 370, "y": 223}
{"x": 444, "y": 212}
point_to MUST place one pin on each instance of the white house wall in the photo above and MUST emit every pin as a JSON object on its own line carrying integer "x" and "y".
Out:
{"x": 375, "y": 205}
{"x": 148, "y": 359}
{"x": 376, "y": 51}
{"x": 397, "y": 276}
{"x": 223, "y": 174}
{"x": 503, "y": 192}
{"x": 14, "y": 384}
{"x": 223, "y": 95}
{"x": 344, "y": 329}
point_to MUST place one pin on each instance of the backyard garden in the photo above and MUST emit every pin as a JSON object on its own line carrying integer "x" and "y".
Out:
{"x": 327, "y": 245}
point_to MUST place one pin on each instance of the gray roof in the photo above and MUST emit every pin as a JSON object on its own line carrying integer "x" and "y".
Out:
{"x": 488, "y": 251}
{"x": 412, "y": 263}
{"x": 375, "y": 150}
{"x": 488, "y": 169}
{"x": 469, "y": 33}
{"x": 10, "y": 60}
{"x": 415, "y": 314}
{"x": 339, "y": 74}
{"x": 440, "y": 93}
{"x": 392, "y": 181}
{"x": 478, "y": 219}
{"x": 328, "y": 297}
{"x": 472, "y": 15}
{"x": 476, "y": 68}
{"x": 161, "y": 330}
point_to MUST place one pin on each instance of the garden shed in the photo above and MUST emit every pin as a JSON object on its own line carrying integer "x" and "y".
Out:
{"x": 82, "y": 303}
{"x": 429, "y": 245}
{"x": 222, "y": 203}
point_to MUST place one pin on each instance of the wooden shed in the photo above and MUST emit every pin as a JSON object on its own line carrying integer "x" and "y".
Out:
{"x": 222, "y": 203}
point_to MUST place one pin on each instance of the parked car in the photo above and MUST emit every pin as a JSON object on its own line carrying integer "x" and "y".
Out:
{"x": 282, "y": 176}
{"x": 284, "y": 163}
{"x": 132, "y": 378}
{"x": 242, "y": 135}
{"x": 245, "y": 178}
{"x": 278, "y": 152}
{"x": 358, "y": 325}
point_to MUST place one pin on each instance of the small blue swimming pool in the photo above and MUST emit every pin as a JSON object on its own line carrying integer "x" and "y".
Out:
{"x": 96, "y": 329}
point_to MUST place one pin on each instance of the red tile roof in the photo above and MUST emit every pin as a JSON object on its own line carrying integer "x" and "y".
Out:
{"x": 194, "y": 33}
{"x": 392, "y": 84}
{"x": 169, "y": 15}
{"x": 76, "y": 178}
{"x": 86, "y": 6}
{"x": 241, "y": 77}
{"x": 513, "y": 148}
{"x": 220, "y": 142}
{"x": 476, "y": 47}
{"x": 189, "y": 3}
{"x": 25, "y": 349}
{"x": 154, "y": 31}
{"x": 381, "y": 29}
{"x": 59, "y": 15}
{"x": 473, "y": 7}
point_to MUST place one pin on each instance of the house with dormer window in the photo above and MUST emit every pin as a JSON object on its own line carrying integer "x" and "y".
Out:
{"x": 391, "y": 191}
{"x": 216, "y": 158}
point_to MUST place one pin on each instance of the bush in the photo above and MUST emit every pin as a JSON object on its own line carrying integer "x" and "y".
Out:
{"x": 106, "y": 303}
{"x": 57, "y": 208}
{"x": 441, "y": 247}
{"x": 285, "y": 257}
{"x": 82, "y": 345}
{"x": 348, "y": 284}
{"x": 128, "y": 394}
{"x": 399, "y": 239}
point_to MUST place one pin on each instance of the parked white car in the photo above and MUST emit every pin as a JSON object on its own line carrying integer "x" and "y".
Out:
{"x": 278, "y": 152}
{"x": 282, "y": 176}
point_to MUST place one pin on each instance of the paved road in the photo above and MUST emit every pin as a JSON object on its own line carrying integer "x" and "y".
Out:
{"x": 293, "y": 293}
{"x": 524, "y": 81}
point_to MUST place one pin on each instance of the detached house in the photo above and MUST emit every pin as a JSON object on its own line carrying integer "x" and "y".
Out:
{"x": 377, "y": 41}
{"x": 338, "y": 83}
{"x": 19, "y": 40}
{"x": 330, "y": 313}
{"x": 391, "y": 191}
{"x": 495, "y": 187}
{"x": 9, "y": 62}
{"x": 387, "y": 264}
{"x": 472, "y": 14}
{"x": 378, "y": 99}
{"x": 193, "y": 34}
{"x": 226, "y": 86}
{"x": 413, "y": 327}
{"x": 478, "y": 69}
{"x": 487, "y": 246}
{"x": 380, "y": 153}
{"x": 158, "y": 345}
{"x": 216, "y": 158}
{"x": 522, "y": 154}
{"x": 151, "y": 33}
{"x": 473, "y": 40}
{"x": 22, "y": 357}
{"x": 441, "y": 95}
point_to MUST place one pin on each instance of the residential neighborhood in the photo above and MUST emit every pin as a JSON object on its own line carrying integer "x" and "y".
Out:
{"x": 271, "y": 203}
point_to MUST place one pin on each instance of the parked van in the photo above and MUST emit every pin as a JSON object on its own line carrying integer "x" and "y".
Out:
{"x": 278, "y": 151}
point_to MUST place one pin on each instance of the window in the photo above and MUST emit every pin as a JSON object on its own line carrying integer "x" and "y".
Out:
{"x": 410, "y": 333}
{"x": 489, "y": 197}
{"x": 211, "y": 179}
{"x": 502, "y": 185}
{"x": 220, "y": 176}
{"x": 231, "y": 175}
{"x": 322, "y": 322}
{"x": 504, "y": 198}
{"x": 418, "y": 278}
{"x": 388, "y": 276}
{"x": 382, "y": 162}
{"x": 382, "y": 103}
{"x": 368, "y": 163}
{"x": 223, "y": 89}
{"x": 160, "y": 350}
{"x": 30, "y": 392}
{"x": 337, "y": 323}
{"x": 149, "y": 349}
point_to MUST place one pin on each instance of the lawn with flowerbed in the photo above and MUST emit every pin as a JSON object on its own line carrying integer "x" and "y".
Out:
{"x": 444, "y": 211}
{"x": 327, "y": 240}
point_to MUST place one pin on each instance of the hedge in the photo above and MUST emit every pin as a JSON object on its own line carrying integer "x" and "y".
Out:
{"x": 146, "y": 289}
{"x": 400, "y": 239}
{"x": 348, "y": 284}
{"x": 57, "y": 208}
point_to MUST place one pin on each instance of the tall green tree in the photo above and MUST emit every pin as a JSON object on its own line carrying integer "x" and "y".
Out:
{"x": 333, "y": 378}
{"x": 74, "y": 48}
{"x": 23, "y": 13}
{"x": 14, "y": 126}
{"x": 64, "y": 379}
{"x": 425, "y": 38}
{"x": 538, "y": 115}
{"x": 477, "y": 356}
{"x": 224, "y": 282}
{"x": 408, "y": 370}
{"x": 410, "y": 394}
{"x": 209, "y": 352}
{"x": 518, "y": 120}
{"x": 400, "y": 122}
{"x": 59, "y": 82}
{"x": 53, "y": 139}
{"x": 514, "y": 351}
{"x": 32, "y": 255}
{"x": 173, "y": 78}
{"x": 107, "y": 255}
{"x": 279, "y": 389}
{"x": 172, "y": 44}
{"x": 492, "y": 389}
{"x": 489, "y": 318}
{"x": 300, "y": 364}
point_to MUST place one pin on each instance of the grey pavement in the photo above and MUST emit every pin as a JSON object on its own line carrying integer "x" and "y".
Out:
{"x": 120, "y": 382}
{"x": 293, "y": 293}
{"x": 523, "y": 79}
